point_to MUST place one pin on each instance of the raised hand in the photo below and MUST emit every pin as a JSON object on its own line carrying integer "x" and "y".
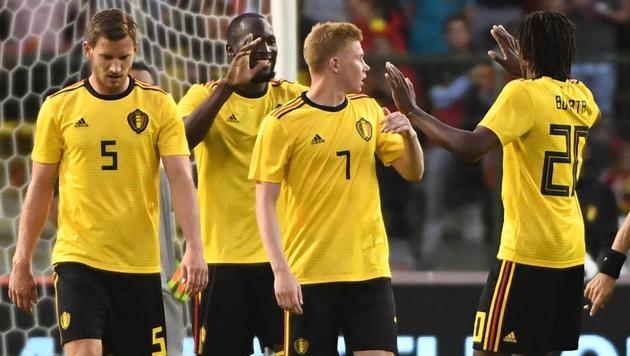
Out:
{"x": 239, "y": 72}
{"x": 598, "y": 291}
{"x": 402, "y": 89}
{"x": 509, "y": 58}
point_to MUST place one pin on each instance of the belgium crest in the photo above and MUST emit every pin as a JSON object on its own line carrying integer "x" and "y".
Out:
{"x": 301, "y": 346}
{"x": 64, "y": 320}
{"x": 364, "y": 128}
{"x": 138, "y": 120}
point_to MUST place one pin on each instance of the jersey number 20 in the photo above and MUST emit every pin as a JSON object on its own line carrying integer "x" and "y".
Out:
{"x": 572, "y": 135}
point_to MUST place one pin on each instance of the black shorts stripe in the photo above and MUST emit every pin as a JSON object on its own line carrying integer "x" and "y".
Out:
{"x": 196, "y": 325}
{"x": 287, "y": 334}
{"x": 497, "y": 307}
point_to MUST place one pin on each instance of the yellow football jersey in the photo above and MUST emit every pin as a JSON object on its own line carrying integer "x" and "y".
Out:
{"x": 325, "y": 156}
{"x": 226, "y": 197}
{"x": 542, "y": 125}
{"x": 108, "y": 149}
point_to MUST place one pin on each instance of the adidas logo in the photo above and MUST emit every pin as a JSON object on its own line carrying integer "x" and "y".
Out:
{"x": 232, "y": 119}
{"x": 81, "y": 123}
{"x": 317, "y": 139}
{"x": 511, "y": 337}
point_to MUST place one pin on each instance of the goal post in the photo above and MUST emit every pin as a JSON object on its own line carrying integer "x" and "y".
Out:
{"x": 284, "y": 22}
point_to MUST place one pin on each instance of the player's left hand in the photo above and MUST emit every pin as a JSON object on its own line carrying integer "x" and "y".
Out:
{"x": 598, "y": 291}
{"x": 396, "y": 122}
{"x": 194, "y": 271}
{"x": 402, "y": 89}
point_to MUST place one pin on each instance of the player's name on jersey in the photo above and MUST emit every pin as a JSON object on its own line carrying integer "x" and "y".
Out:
{"x": 579, "y": 106}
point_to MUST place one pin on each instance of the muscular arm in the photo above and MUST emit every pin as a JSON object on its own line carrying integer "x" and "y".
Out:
{"x": 199, "y": 121}
{"x": 186, "y": 208}
{"x": 287, "y": 289}
{"x": 22, "y": 288}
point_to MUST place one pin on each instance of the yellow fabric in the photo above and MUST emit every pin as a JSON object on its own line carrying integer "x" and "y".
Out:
{"x": 226, "y": 197}
{"x": 335, "y": 229}
{"x": 108, "y": 218}
{"x": 535, "y": 119}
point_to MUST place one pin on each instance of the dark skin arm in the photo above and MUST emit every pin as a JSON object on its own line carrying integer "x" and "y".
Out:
{"x": 199, "y": 121}
{"x": 469, "y": 145}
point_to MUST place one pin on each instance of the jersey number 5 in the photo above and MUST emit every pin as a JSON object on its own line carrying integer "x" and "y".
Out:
{"x": 112, "y": 154}
{"x": 570, "y": 155}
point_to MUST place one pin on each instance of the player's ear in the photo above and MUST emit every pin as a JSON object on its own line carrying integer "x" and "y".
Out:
{"x": 87, "y": 50}
{"x": 333, "y": 63}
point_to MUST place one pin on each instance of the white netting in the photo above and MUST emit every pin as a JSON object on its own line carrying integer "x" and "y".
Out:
{"x": 40, "y": 52}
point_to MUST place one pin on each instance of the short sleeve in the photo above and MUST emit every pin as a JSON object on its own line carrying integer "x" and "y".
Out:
{"x": 48, "y": 145}
{"x": 511, "y": 115}
{"x": 193, "y": 98}
{"x": 271, "y": 152}
{"x": 172, "y": 137}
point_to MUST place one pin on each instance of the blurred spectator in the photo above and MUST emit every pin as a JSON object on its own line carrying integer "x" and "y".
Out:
{"x": 425, "y": 19}
{"x": 596, "y": 30}
{"x": 599, "y": 207}
{"x": 381, "y": 24}
{"x": 618, "y": 175}
{"x": 492, "y": 12}
{"x": 459, "y": 103}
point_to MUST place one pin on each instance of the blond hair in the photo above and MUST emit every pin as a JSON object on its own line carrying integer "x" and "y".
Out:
{"x": 325, "y": 40}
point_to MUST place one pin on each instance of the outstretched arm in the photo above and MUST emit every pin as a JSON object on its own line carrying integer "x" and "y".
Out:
{"x": 22, "y": 287}
{"x": 194, "y": 268}
{"x": 199, "y": 121}
{"x": 469, "y": 145}
{"x": 600, "y": 289}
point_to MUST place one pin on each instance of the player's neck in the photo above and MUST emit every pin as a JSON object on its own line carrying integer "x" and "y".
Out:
{"x": 252, "y": 90}
{"x": 101, "y": 89}
{"x": 325, "y": 92}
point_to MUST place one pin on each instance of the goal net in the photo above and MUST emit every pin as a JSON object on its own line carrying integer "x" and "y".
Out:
{"x": 183, "y": 41}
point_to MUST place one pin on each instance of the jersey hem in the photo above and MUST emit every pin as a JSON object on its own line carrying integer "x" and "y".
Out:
{"x": 109, "y": 268}
{"x": 235, "y": 261}
{"x": 541, "y": 263}
{"x": 344, "y": 278}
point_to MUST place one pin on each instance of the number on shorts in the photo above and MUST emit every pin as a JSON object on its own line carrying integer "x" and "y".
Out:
{"x": 480, "y": 323}
{"x": 158, "y": 340}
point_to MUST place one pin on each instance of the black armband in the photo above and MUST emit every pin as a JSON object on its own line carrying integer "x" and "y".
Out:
{"x": 611, "y": 263}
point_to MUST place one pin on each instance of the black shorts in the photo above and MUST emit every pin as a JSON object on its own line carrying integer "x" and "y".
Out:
{"x": 527, "y": 309}
{"x": 238, "y": 304}
{"x": 364, "y": 312}
{"x": 124, "y": 310}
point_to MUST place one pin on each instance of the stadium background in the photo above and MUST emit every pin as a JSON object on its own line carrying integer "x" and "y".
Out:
{"x": 443, "y": 231}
